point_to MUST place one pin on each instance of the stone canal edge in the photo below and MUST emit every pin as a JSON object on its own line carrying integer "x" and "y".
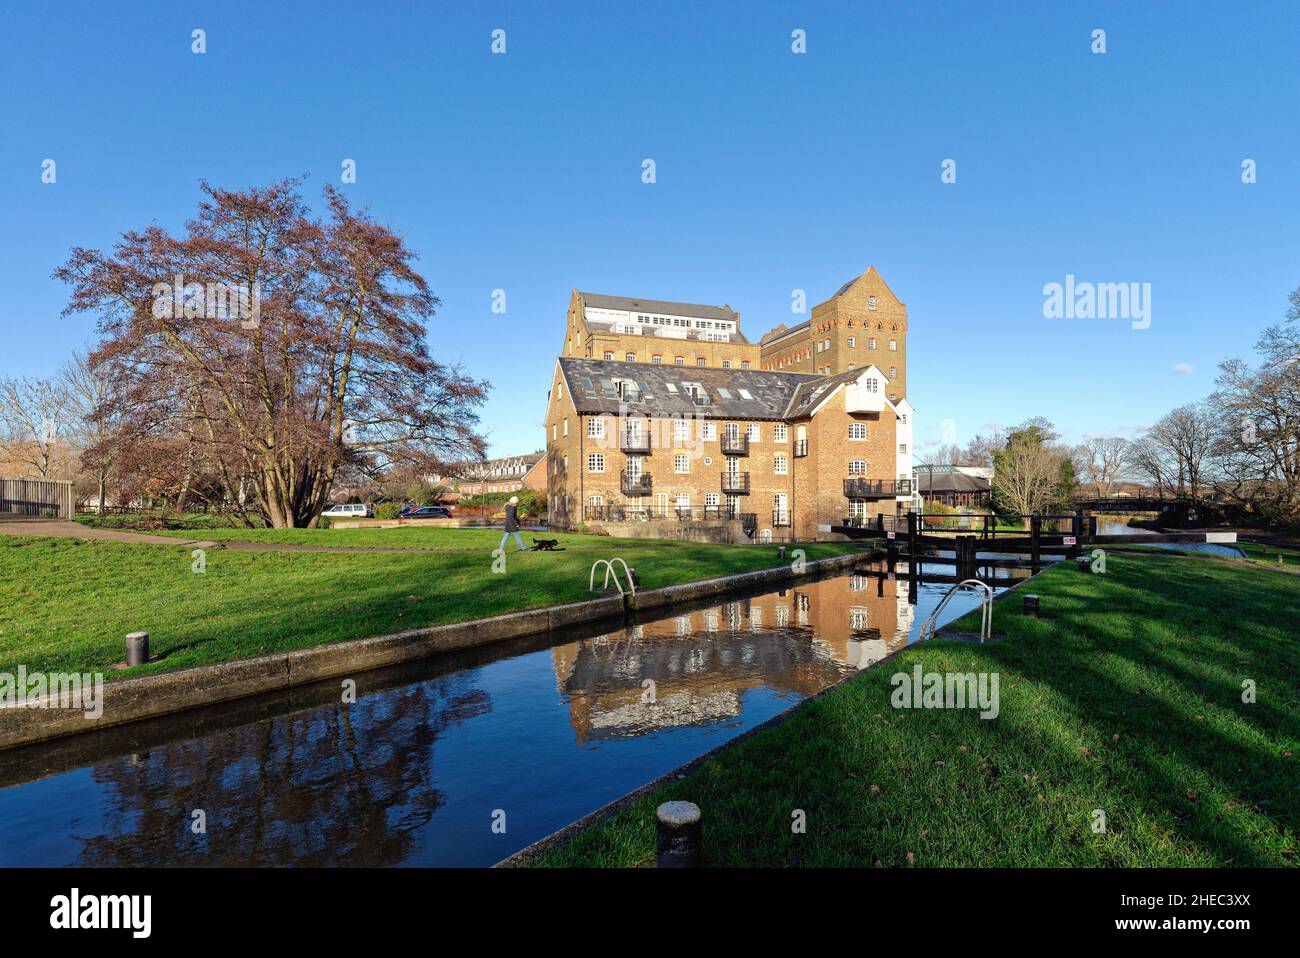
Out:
{"x": 150, "y": 696}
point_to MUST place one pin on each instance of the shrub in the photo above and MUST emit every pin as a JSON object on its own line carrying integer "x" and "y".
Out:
{"x": 387, "y": 510}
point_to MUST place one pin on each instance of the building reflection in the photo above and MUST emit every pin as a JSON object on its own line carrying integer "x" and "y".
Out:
{"x": 702, "y": 662}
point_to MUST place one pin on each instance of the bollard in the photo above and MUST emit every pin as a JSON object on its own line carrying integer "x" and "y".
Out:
{"x": 780, "y": 553}
{"x": 678, "y": 827}
{"x": 1031, "y": 606}
{"x": 137, "y": 648}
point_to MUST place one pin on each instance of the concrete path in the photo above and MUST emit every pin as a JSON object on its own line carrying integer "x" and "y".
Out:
{"x": 75, "y": 530}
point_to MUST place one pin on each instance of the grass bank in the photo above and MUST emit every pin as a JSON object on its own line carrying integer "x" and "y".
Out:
{"x": 65, "y": 604}
{"x": 1126, "y": 700}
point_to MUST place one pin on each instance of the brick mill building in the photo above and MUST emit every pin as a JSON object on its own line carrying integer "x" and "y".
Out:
{"x": 660, "y": 413}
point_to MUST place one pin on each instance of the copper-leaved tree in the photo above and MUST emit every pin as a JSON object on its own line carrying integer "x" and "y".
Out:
{"x": 267, "y": 347}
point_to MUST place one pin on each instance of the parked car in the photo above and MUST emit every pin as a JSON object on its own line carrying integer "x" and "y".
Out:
{"x": 349, "y": 510}
{"x": 425, "y": 512}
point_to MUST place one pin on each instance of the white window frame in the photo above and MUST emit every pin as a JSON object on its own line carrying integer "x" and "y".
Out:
{"x": 857, "y": 467}
{"x": 780, "y": 432}
{"x": 854, "y": 429}
{"x": 681, "y": 464}
{"x": 595, "y": 462}
{"x": 781, "y": 465}
{"x": 596, "y": 427}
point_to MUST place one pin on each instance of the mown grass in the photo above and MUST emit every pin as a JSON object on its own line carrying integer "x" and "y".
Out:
{"x": 66, "y": 604}
{"x": 1126, "y": 698}
{"x": 1269, "y": 555}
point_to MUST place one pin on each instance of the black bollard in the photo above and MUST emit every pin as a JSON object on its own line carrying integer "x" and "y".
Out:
{"x": 137, "y": 648}
{"x": 678, "y": 827}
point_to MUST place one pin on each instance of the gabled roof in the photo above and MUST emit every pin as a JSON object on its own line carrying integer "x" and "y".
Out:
{"x": 663, "y": 391}
{"x": 663, "y": 306}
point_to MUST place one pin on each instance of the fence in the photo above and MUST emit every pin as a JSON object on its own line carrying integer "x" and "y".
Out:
{"x": 36, "y": 498}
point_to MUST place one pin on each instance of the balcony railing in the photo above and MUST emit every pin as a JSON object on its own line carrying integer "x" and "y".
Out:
{"x": 856, "y": 488}
{"x": 800, "y": 448}
{"x": 780, "y": 518}
{"x": 735, "y": 445}
{"x": 735, "y": 483}
{"x": 638, "y": 484}
{"x": 634, "y": 442}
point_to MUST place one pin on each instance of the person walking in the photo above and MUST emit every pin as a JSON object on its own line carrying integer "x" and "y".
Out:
{"x": 512, "y": 525}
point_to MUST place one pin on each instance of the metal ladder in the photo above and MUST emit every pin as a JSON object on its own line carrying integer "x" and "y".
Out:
{"x": 611, "y": 571}
{"x": 986, "y": 609}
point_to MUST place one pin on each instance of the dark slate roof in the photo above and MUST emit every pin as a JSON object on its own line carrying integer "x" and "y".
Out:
{"x": 948, "y": 481}
{"x": 808, "y": 394}
{"x": 662, "y": 306}
{"x": 769, "y": 338}
{"x": 590, "y": 382}
{"x": 495, "y": 470}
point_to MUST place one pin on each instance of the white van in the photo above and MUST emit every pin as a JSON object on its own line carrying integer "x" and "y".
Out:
{"x": 353, "y": 510}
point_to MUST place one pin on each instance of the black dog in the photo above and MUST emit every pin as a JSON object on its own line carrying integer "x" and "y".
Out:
{"x": 546, "y": 545}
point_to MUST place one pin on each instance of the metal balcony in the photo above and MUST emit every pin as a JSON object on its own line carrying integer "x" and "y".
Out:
{"x": 637, "y": 443}
{"x": 735, "y": 483}
{"x": 858, "y": 488}
{"x": 800, "y": 448}
{"x": 639, "y": 484}
{"x": 735, "y": 445}
{"x": 780, "y": 518}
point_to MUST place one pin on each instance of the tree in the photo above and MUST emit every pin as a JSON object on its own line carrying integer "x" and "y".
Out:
{"x": 274, "y": 347}
{"x": 33, "y": 412}
{"x": 1028, "y": 472}
{"x": 1177, "y": 448}
{"x": 1102, "y": 460}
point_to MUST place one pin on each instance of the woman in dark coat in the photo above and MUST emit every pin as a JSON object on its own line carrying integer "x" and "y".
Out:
{"x": 512, "y": 525}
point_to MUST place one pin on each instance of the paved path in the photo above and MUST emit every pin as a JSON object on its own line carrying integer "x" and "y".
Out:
{"x": 75, "y": 530}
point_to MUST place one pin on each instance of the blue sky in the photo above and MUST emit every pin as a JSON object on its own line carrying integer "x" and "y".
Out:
{"x": 775, "y": 171}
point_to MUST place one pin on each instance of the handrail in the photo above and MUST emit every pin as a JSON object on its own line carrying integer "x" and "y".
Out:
{"x": 611, "y": 571}
{"x": 986, "y": 610}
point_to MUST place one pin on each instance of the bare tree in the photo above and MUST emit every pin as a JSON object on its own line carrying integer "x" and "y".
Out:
{"x": 1183, "y": 439}
{"x": 1102, "y": 460}
{"x": 33, "y": 412}
{"x": 92, "y": 421}
{"x": 1027, "y": 470}
{"x": 331, "y": 367}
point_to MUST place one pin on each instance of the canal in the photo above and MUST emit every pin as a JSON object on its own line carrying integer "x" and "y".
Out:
{"x": 458, "y": 760}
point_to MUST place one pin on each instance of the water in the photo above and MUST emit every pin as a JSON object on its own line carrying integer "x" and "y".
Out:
{"x": 414, "y": 772}
{"x": 1109, "y": 527}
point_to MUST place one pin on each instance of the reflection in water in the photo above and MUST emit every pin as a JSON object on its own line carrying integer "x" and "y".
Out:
{"x": 414, "y": 771}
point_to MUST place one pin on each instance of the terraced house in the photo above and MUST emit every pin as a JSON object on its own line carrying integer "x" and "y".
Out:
{"x": 706, "y": 447}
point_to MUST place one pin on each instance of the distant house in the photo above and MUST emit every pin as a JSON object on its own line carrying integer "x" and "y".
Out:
{"x": 510, "y": 474}
{"x": 962, "y": 487}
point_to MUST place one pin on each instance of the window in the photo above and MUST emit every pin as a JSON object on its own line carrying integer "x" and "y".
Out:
{"x": 681, "y": 463}
{"x": 853, "y": 365}
{"x": 754, "y": 433}
{"x": 893, "y": 372}
{"x": 712, "y": 500}
{"x": 871, "y": 343}
{"x": 596, "y": 462}
{"x": 681, "y": 429}
{"x": 902, "y": 449}
{"x": 781, "y": 465}
{"x": 701, "y": 362}
{"x": 656, "y": 358}
{"x": 902, "y": 417}
{"x": 680, "y": 361}
{"x": 893, "y": 327}
{"x": 819, "y": 346}
{"x": 853, "y": 342}
{"x": 744, "y": 364}
{"x": 726, "y": 364}
{"x": 871, "y": 302}
{"x": 893, "y": 345}
{"x": 566, "y": 425}
{"x": 554, "y": 430}
{"x": 780, "y": 432}
{"x": 630, "y": 357}
{"x": 596, "y": 427}
{"x": 857, "y": 467}
{"x": 682, "y": 502}
{"x": 873, "y": 384}
{"x": 857, "y": 430}
{"x": 609, "y": 355}
{"x": 709, "y": 431}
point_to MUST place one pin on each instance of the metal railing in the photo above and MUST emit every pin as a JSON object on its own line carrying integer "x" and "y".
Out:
{"x": 800, "y": 448}
{"x": 780, "y": 518}
{"x": 857, "y": 488}
{"x": 638, "y": 484}
{"x": 638, "y": 442}
{"x": 735, "y": 483}
{"x": 735, "y": 445}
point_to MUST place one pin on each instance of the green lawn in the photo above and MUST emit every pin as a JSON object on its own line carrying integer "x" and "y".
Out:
{"x": 1127, "y": 698}
{"x": 1268, "y": 555}
{"x": 66, "y": 604}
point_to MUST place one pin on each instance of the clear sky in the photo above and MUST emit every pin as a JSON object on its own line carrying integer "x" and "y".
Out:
{"x": 775, "y": 171}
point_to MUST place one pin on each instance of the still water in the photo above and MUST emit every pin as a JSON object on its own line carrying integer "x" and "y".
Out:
{"x": 417, "y": 770}
{"x": 1110, "y": 527}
